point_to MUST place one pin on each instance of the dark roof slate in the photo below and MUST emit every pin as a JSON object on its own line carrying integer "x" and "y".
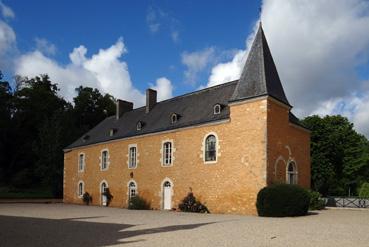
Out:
{"x": 192, "y": 109}
{"x": 259, "y": 76}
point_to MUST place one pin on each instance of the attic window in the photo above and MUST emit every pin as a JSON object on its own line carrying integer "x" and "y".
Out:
{"x": 217, "y": 109}
{"x": 174, "y": 118}
{"x": 113, "y": 131}
{"x": 139, "y": 125}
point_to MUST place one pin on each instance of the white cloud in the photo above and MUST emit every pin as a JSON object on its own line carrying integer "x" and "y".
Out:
{"x": 175, "y": 36}
{"x": 6, "y": 12}
{"x": 103, "y": 70}
{"x": 196, "y": 62}
{"x": 45, "y": 46}
{"x": 152, "y": 19}
{"x": 164, "y": 88}
{"x": 317, "y": 47}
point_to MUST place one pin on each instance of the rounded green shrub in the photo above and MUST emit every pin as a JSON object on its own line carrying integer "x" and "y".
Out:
{"x": 364, "y": 190}
{"x": 138, "y": 203}
{"x": 316, "y": 201}
{"x": 282, "y": 200}
{"x": 191, "y": 204}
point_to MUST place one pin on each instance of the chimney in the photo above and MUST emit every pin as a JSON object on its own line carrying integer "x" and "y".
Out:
{"x": 122, "y": 107}
{"x": 150, "y": 99}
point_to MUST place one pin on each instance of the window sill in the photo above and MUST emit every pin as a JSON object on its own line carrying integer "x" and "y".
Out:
{"x": 210, "y": 162}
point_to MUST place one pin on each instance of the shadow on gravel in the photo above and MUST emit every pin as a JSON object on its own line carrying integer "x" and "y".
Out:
{"x": 26, "y": 231}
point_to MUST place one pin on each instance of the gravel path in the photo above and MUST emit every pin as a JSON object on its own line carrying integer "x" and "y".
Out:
{"x": 73, "y": 225}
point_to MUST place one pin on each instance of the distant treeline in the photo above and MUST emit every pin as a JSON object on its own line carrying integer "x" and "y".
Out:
{"x": 36, "y": 124}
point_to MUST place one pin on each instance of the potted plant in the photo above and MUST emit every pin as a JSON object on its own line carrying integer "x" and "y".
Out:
{"x": 87, "y": 198}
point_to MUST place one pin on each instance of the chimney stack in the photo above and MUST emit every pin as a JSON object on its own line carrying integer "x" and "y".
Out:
{"x": 122, "y": 107}
{"x": 150, "y": 99}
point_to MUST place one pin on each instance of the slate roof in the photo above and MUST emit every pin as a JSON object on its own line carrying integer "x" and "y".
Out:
{"x": 192, "y": 109}
{"x": 259, "y": 76}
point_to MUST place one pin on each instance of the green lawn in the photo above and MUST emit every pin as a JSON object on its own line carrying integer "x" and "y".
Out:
{"x": 34, "y": 193}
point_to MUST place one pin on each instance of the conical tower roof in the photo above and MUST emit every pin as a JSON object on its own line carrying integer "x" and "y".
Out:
{"x": 259, "y": 76}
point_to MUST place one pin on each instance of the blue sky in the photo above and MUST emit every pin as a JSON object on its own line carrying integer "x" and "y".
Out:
{"x": 96, "y": 24}
{"x": 320, "y": 47}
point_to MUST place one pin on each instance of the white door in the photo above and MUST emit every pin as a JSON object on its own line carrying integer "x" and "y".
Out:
{"x": 167, "y": 196}
{"x": 104, "y": 199}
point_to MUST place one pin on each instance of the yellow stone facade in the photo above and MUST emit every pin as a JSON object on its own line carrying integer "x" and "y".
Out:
{"x": 253, "y": 147}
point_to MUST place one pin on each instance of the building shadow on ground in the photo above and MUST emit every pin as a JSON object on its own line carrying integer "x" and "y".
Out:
{"x": 26, "y": 231}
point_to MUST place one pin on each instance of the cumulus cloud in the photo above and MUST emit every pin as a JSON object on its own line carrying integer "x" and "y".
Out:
{"x": 6, "y": 12}
{"x": 196, "y": 62}
{"x": 317, "y": 47}
{"x": 164, "y": 88}
{"x": 104, "y": 70}
{"x": 45, "y": 46}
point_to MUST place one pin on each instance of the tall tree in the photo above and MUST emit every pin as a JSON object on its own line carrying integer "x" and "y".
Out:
{"x": 339, "y": 155}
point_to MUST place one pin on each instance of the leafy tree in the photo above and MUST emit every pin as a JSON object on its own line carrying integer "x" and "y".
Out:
{"x": 339, "y": 155}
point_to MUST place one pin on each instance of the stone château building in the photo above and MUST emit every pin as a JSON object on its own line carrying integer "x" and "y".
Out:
{"x": 224, "y": 143}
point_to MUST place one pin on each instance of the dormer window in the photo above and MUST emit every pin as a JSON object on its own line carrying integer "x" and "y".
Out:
{"x": 85, "y": 138}
{"x": 113, "y": 131}
{"x": 217, "y": 109}
{"x": 174, "y": 118}
{"x": 139, "y": 125}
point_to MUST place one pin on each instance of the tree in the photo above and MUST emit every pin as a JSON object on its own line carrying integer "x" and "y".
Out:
{"x": 339, "y": 155}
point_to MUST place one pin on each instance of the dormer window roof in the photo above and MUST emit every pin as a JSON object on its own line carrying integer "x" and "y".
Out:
{"x": 217, "y": 109}
{"x": 139, "y": 125}
{"x": 85, "y": 138}
{"x": 174, "y": 118}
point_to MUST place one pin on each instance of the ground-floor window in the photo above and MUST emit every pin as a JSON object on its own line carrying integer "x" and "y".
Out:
{"x": 291, "y": 173}
{"x": 80, "y": 189}
{"x": 132, "y": 189}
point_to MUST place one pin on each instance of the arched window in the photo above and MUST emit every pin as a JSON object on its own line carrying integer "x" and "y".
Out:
{"x": 104, "y": 159}
{"x": 139, "y": 125}
{"x": 291, "y": 173}
{"x": 132, "y": 189}
{"x": 80, "y": 189}
{"x": 132, "y": 156}
{"x": 174, "y": 118}
{"x": 81, "y": 162}
{"x": 217, "y": 109}
{"x": 167, "y": 153}
{"x": 104, "y": 186}
{"x": 210, "y": 148}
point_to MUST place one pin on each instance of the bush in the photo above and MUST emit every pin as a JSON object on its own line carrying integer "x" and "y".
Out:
{"x": 190, "y": 204}
{"x": 108, "y": 195}
{"x": 364, "y": 190}
{"x": 316, "y": 202}
{"x": 138, "y": 203}
{"x": 86, "y": 198}
{"x": 281, "y": 200}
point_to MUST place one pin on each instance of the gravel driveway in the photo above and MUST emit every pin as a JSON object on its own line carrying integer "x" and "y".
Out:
{"x": 73, "y": 225}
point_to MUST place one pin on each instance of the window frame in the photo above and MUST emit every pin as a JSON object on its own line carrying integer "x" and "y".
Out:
{"x": 129, "y": 189}
{"x": 215, "y": 111}
{"x": 82, "y": 189}
{"x": 174, "y": 118}
{"x": 131, "y": 147}
{"x": 107, "y": 161}
{"x": 293, "y": 173}
{"x": 205, "y": 148}
{"x": 167, "y": 157}
{"x": 81, "y": 166}
{"x": 139, "y": 125}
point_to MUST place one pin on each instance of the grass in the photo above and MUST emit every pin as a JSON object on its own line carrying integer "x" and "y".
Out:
{"x": 31, "y": 193}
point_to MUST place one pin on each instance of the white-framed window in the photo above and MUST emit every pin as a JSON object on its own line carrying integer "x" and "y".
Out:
{"x": 167, "y": 153}
{"x": 210, "y": 152}
{"x": 139, "y": 125}
{"x": 81, "y": 162}
{"x": 132, "y": 156}
{"x": 217, "y": 109}
{"x": 291, "y": 173}
{"x": 80, "y": 189}
{"x": 104, "y": 159}
{"x": 132, "y": 189}
{"x": 174, "y": 118}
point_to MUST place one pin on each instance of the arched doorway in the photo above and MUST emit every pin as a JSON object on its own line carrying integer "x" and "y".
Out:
{"x": 167, "y": 195}
{"x": 104, "y": 199}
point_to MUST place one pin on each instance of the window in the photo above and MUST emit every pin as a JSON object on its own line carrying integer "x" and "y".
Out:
{"x": 210, "y": 148}
{"x": 81, "y": 162}
{"x": 113, "y": 131}
{"x": 174, "y": 118}
{"x": 132, "y": 189}
{"x": 167, "y": 153}
{"x": 217, "y": 109}
{"x": 80, "y": 189}
{"x": 103, "y": 188}
{"x": 139, "y": 125}
{"x": 132, "y": 157}
{"x": 104, "y": 159}
{"x": 291, "y": 173}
